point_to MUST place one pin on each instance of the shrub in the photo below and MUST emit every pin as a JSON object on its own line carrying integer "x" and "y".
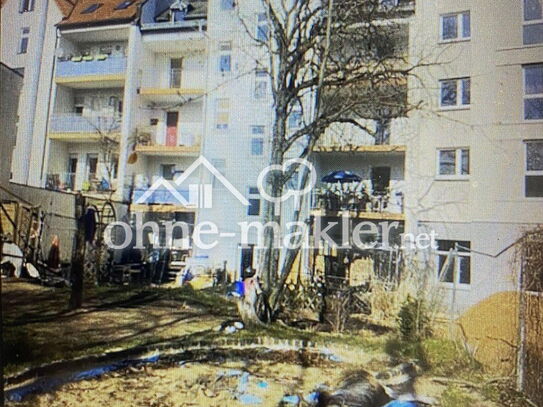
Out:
{"x": 414, "y": 319}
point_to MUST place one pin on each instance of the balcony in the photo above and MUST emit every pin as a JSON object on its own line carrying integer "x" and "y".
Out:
{"x": 177, "y": 85}
{"x": 67, "y": 182}
{"x": 100, "y": 71}
{"x": 359, "y": 202}
{"x": 154, "y": 141}
{"x": 77, "y": 128}
{"x": 348, "y": 138}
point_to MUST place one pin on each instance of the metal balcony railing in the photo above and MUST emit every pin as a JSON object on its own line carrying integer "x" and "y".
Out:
{"x": 357, "y": 200}
{"x": 73, "y": 123}
{"x": 107, "y": 66}
{"x": 64, "y": 181}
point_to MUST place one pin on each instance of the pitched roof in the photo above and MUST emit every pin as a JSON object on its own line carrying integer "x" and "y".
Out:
{"x": 105, "y": 12}
{"x": 65, "y": 6}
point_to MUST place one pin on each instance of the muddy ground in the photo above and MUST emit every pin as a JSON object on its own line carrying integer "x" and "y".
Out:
{"x": 38, "y": 329}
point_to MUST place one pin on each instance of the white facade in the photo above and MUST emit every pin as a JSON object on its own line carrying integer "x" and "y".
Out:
{"x": 191, "y": 92}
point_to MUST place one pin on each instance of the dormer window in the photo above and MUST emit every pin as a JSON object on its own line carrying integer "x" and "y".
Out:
{"x": 92, "y": 8}
{"x": 124, "y": 4}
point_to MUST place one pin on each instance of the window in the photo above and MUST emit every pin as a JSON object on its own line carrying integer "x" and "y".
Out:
{"x": 167, "y": 170}
{"x": 261, "y": 83}
{"x": 533, "y": 180}
{"x": 26, "y": 6}
{"x": 532, "y": 30}
{"x": 254, "y": 202}
{"x": 455, "y": 92}
{"x": 257, "y": 146}
{"x": 262, "y": 29}
{"x": 92, "y": 8}
{"x": 225, "y": 57}
{"x": 454, "y": 27}
{"x": 23, "y": 44}
{"x": 295, "y": 120}
{"x": 533, "y": 92}
{"x": 223, "y": 113}
{"x": 454, "y": 261}
{"x": 227, "y": 4}
{"x": 124, "y": 4}
{"x": 453, "y": 163}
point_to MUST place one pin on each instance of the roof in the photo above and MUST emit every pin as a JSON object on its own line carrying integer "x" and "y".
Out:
{"x": 104, "y": 12}
{"x": 65, "y": 6}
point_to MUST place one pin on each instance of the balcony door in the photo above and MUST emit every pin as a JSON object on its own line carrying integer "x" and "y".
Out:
{"x": 380, "y": 179}
{"x": 92, "y": 167}
{"x": 176, "y": 64}
{"x": 72, "y": 170}
{"x": 171, "y": 128}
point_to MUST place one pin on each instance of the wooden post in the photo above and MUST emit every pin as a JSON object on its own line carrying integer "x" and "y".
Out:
{"x": 78, "y": 255}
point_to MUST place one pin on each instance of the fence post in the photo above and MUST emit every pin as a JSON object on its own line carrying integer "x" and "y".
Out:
{"x": 78, "y": 255}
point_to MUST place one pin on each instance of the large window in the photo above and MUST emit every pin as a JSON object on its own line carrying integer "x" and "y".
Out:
{"x": 532, "y": 30}
{"x": 533, "y": 180}
{"x": 23, "y": 43}
{"x": 533, "y": 92}
{"x": 455, "y": 26}
{"x": 453, "y": 262}
{"x": 455, "y": 93}
{"x": 453, "y": 163}
{"x": 222, "y": 113}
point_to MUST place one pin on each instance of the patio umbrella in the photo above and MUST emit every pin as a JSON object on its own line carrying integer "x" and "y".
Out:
{"x": 341, "y": 177}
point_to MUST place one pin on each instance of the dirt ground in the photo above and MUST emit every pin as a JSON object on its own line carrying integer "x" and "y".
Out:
{"x": 38, "y": 329}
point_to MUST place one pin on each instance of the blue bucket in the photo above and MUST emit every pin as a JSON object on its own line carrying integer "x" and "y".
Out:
{"x": 238, "y": 289}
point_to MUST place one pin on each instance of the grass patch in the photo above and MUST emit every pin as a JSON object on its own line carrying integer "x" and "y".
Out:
{"x": 438, "y": 356}
{"x": 455, "y": 397}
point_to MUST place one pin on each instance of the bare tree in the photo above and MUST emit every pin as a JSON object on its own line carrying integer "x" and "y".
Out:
{"x": 329, "y": 61}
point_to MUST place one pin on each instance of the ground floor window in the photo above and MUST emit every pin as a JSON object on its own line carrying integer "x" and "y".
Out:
{"x": 533, "y": 178}
{"x": 453, "y": 261}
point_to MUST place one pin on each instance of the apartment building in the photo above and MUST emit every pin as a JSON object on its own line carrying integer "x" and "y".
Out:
{"x": 473, "y": 168}
{"x": 141, "y": 90}
{"x": 28, "y": 44}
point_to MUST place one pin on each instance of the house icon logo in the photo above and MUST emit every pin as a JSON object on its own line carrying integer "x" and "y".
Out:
{"x": 199, "y": 195}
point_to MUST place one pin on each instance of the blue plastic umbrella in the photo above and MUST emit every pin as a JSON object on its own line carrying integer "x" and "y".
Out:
{"x": 341, "y": 177}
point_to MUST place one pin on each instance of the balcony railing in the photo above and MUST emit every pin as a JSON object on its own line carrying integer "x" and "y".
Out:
{"x": 73, "y": 123}
{"x": 188, "y": 135}
{"x": 66, "y": 181}
{"x": 60, "y": 181}
{"x": 159, "y": 196}
{"x": 358, "y": 200}
{"x": 75, "y": 67}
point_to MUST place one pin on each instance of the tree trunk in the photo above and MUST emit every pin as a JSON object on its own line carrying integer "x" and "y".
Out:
{"x": 290, "y": 255}
{"x": 78, "y": 256}
{"x": 274, "y": 184}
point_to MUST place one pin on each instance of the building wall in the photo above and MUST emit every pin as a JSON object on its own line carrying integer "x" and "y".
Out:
{"x": 488, "y": 207}
{"x": 10, "y": 87}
